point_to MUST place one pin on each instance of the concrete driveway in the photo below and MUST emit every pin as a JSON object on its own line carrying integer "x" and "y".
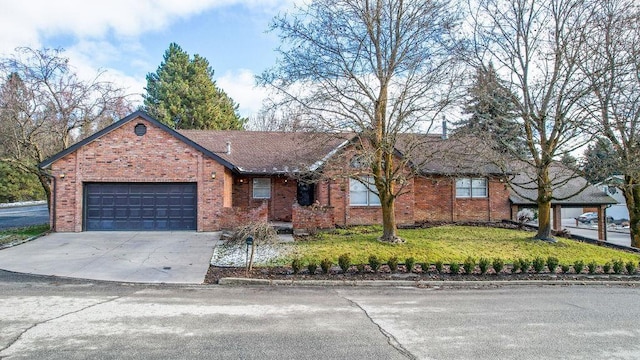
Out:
{"x": 150, "y": 257}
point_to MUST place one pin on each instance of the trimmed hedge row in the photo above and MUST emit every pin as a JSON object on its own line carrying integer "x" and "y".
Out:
{"x": 469, "y": 266}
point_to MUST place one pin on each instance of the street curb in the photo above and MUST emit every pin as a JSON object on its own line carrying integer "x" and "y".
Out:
{"x": 421, "y": 283}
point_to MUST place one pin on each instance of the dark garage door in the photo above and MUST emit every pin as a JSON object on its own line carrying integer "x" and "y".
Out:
{"x": 140, "y": 206}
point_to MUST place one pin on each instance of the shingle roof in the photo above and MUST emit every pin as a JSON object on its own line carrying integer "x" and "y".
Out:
{"x": 456, "y": 155}
{"x": 566, "y": 182}
{"x": 258, "y": 152}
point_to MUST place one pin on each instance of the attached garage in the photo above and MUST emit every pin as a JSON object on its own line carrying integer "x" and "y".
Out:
{"x": 140, "y": 206}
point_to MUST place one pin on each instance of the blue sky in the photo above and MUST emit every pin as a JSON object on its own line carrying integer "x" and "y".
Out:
{"x": 127, "y": 38}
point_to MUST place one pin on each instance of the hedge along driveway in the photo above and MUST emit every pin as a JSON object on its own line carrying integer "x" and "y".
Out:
{"x": 449, "y": 244}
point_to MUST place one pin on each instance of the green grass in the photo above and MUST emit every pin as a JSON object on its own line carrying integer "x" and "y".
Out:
{"x": 448, "y": 244}
{"x": 11, "y": 235}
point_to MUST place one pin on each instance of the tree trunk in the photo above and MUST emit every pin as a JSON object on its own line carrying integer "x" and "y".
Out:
{"x": 544, "y": 221}
{"x": 544, "y": 205}
{"x": 632, "y": 198}
{"x": 389, "y": 228}
{"x": 45, "y": 181}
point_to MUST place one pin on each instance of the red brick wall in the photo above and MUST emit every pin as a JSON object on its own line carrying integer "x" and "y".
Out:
{"x": 433, "y": 199}
{"x": 236, "y": 216}
{"x": 283, "y": 195}
{"x": 122, "y": 156}
{"x": 494, "y": 208}
{"x": 312, "y": 217}
{"x": 428, "y": 199}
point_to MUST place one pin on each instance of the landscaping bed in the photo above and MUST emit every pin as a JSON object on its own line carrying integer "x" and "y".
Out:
{"x": 285, "y": 273}
{"x": 442, "y": 252}
{"x": 17, "y": 235}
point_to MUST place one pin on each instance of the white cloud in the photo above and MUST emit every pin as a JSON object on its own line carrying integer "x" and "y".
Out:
{"x": 100, "y": 33}
{"x": 241, "y": 86}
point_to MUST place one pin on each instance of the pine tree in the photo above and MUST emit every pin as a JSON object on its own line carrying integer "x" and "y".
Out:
{"x": 183, "y": 95}
{"x": 600, "y": 161}
{"x": 492, "y": 111}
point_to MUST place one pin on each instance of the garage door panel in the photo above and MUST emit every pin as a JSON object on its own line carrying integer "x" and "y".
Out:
{"x": 140, "y": 206}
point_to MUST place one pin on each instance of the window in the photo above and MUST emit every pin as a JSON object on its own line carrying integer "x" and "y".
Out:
{"x": 471, "y": 187}
{"x": 361, "y": 194}
{"x": 261, "y": 188}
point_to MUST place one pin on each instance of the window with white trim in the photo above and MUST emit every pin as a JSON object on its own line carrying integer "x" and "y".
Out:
{"x": 471, "y": 188}
{"x": 261, "y": 188}
{"x": 361, "y": 192}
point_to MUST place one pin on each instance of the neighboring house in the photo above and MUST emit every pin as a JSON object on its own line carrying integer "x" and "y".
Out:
{"x": 138, "y": 174}
{"x": 617, "y": 211}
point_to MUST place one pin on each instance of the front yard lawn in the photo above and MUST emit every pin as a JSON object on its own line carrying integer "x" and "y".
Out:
{"x": 447, "y": 244}
{"x": 17, "y": 234}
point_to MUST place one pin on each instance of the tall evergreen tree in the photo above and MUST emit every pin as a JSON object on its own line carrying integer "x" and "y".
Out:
{"x": 492, "y": 111}
{"x": 183, "y": 95}
{"x": 600, "y": 161}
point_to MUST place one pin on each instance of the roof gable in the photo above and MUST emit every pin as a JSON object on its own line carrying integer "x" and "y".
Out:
{"x": 135, "y": 115}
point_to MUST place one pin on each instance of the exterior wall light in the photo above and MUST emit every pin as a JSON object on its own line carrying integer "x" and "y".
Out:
{"x": 213, "y": 175}
{"x": 62, "y": 175}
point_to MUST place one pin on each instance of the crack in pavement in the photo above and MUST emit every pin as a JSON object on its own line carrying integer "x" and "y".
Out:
{"x": 17, "y": 338}
{"x": 391, "y": 340}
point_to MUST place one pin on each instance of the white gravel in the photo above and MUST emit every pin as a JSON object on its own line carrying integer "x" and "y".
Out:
{"x": 236, "y": 255}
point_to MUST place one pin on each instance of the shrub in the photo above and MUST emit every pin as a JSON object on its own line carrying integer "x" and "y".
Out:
{"x": 438, "y": 265}
{"x": 469, "y": 265}
{"x": 296, "y": 265}
{"x": 552, "y": 264}
{"x": 524, "y": 265}
{"x": 325, "y": 265}
{"x": 483, "y": 264}
{"x": 408, "y": 263}
{"x": 538, "y": 264}
{"x": 498, "y": 265}
{"x": 618, "y": 266}
{"x": 606, "y": 268}
{"x": 392, "y": 263}
{"x": 454, "y": 268}
{"x": 631, "y": 267}
{"x": 565, "y": 268}
{"x": 344, "y": 261}
{"x": 374, "y": 263}
{"x": 425, "y": 267}
{"x": 578, "y": 265}
{"x": 592, "y": 267}
{"x": 261, "y": 231}
{"x": 516, "y": 266}
{"x": 360, "y": 268}
{"x": 524, "y": 216}
{"x": 312, "y": 266}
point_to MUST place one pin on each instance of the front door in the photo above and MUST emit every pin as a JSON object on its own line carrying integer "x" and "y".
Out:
{"x": 305, "y": 194}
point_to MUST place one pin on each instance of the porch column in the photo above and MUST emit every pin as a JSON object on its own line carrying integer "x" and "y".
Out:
{"x": 557, "y": 217}
{"x": 602, "y": 226}
{"x": 514, "y": 212}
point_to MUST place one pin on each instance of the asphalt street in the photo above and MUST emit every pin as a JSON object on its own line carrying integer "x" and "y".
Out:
{"x": 20, "y": 216}
{"x": 49, "y": 318}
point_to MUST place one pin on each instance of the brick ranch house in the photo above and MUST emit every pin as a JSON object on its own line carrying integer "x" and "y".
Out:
{"x": 138, "y": 174}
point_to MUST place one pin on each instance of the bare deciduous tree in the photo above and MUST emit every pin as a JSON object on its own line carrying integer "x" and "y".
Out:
{"x": 612, "y": 63}
{"x": 377, "y": 68}
{"x": 537, "y": 46}
{"x": 45, "y": 107}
